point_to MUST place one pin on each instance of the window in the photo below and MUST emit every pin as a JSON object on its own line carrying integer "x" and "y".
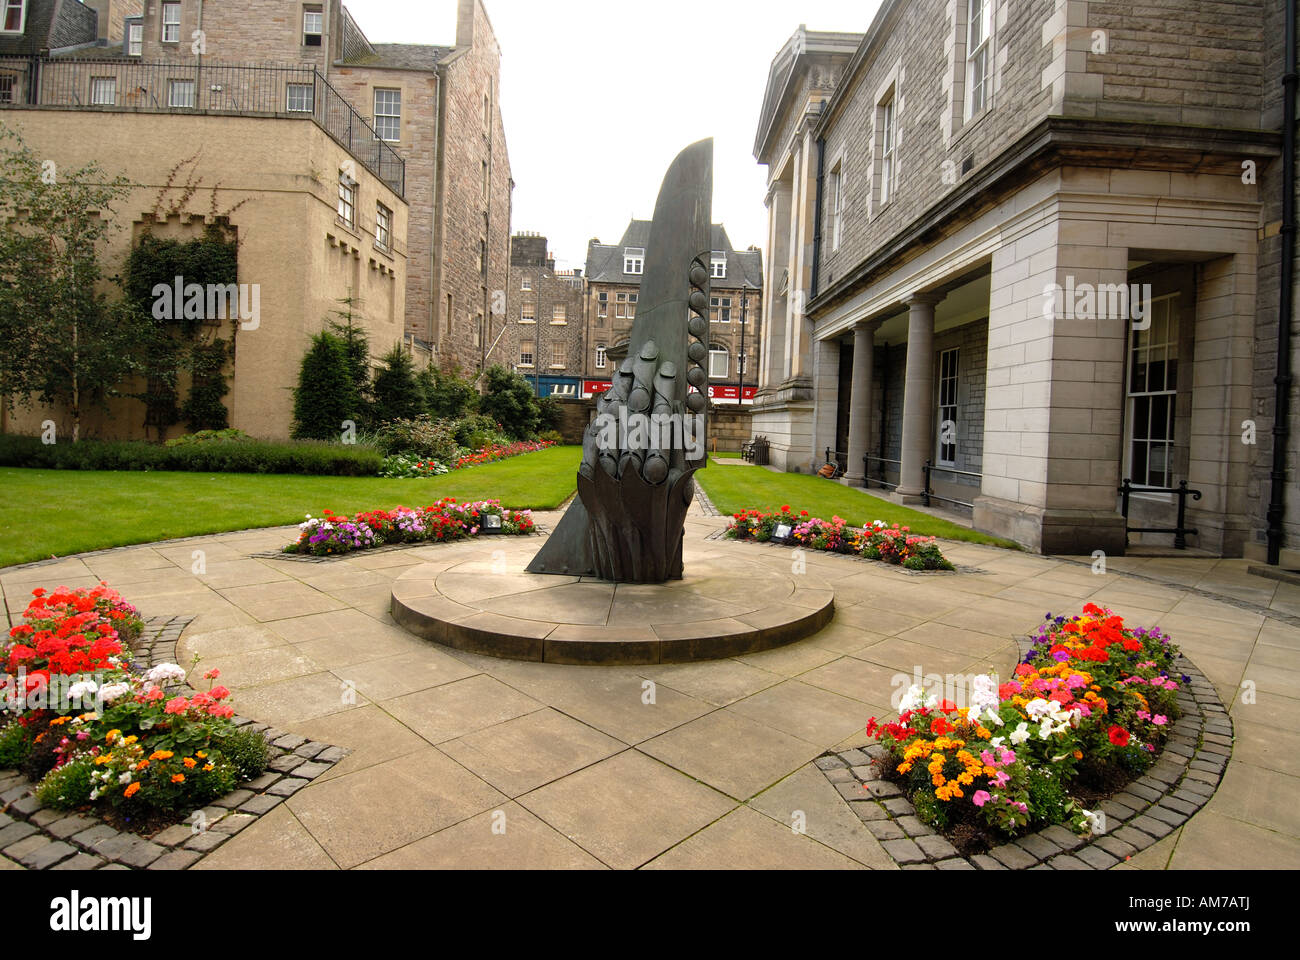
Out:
{"x": 134, "y": 39}
{"x": 625, "y": 306}
{"x": 721, "y": 309}
{"x": 979, "y": 23}
{"x": 560, "y": 313}
{"x": 602, "y": 305}
{"x": 1152, "y": 390}
{"x": 180, "y": 93}
{"x": 103, "y": 91}
{"x": 528, "y": 312}
{"x": 485, "y": 180}
{"x": 301, "y": 98}
{"x": 482, "y": 257}
{"x": 347, "y": 199}
{"x": 313, "y": 25}
{"x": 15, "y": 16}
{"x": 559, "y": 356}
{"x": 718, "y": 264}
{"x": 171, "y": 22}
{"x": 383, "y": 227}
{"x": 527, "y": 284}
{"x": 633, "y": 260}
{"x": 948, "y": 407}
{"x": 564, "y": 390}
{"x": 388, "y": 115}
{"x": 836, "y": 203}
{"x": 526, "y": 353}
{"x": 601, "y": 356}
{"x": 6, "y": 88}
{"x": 718, "y": 362}
{"x": 887, "y": 140}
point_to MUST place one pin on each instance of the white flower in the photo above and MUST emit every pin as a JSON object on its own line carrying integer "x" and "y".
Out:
{"x": 83, "y": 688}
{"x": 1096, "y": 821}
{"x": 1020, "y": 734}
{"x": 111, "y": 691}
{"x": 1038, "y": 707}
{"x": 983, "y": 694}
{"x": 997, "y": 741}
{"x": 915, "y": 697}
{"x": 124, "y": 778}
{"x": 164, "y": 672}
{"x": 994, "y": 717}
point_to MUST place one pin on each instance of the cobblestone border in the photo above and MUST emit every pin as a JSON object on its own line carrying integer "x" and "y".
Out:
{"x": 1175, "y": 787}
{"x": 537, "y": 531}
{"x": 41, "y": 838}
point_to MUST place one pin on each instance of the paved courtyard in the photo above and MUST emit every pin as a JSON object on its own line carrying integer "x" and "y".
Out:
{"x": 460, "y": 760}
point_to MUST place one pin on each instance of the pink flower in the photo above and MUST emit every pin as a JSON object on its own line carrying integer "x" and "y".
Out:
{"x": 980, "y": 798}
{"x": 212, "y": 674}
{"x": 176, "y": 705}
{"x": 987, "y": 758}
{"x": 1143, "y": 715}
{"x": 1159, "y": 719}
{"x": 1000, "y": 779}
{"x": 1008, "y": 756}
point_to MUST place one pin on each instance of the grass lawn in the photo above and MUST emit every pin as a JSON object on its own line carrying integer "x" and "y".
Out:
{"x": 62, "y": 512}
{"x": 737, "y": 488}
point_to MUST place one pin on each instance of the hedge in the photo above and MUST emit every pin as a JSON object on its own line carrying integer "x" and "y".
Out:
{"x": 313, "y": 458}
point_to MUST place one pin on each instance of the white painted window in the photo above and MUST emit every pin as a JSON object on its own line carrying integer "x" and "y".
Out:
{"x": 383, "y": 227}
{"x": 527, "y": 284}
{"x": 1152, "y": 396}
{"x": 601, "y": 356}
{"x": 313, "y": 26}
{"x": 526, "y": 348}
{"x": 888, "y": 139}
{"x": 559, "y": 355}
{"x": 948, "y": 365}
{"x": 836, "y": 206}
{"x": 388, "y": 114}
{"x": 6, "y": 88}
{"x": 135, "y": 39}
{"x": 560, "y": 313}
{"x": 979, "y": 25}
{"x": 719, "y": 362}
{"x": 633, "y": 260}
{"x": 528, "y": 312}
{"x": 721, "y": 309}
{"x": 718, "y": 264}
{"x": 15, "y": 17}
{"x": 103, "y": 91}
{"x": 171, "y": 23}
{"x": 347, "y": 199}
{"x": 300, "y": 98}
{"x": 180, "y": 93}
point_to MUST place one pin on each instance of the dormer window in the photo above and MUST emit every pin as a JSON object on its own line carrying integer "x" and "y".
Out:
{"x": 15, "y": 16}
{"x": 718, "y": 261}
{"x": 634, "y": 260}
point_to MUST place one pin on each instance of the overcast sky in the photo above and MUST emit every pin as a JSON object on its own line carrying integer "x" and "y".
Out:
{"x": 598, "y": 96}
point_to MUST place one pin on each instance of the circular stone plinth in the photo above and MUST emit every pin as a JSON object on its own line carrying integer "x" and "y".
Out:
{"x": 725, "y": 606}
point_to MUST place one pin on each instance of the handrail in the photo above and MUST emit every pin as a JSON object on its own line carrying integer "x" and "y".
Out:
{"x": 1180, "y": 531}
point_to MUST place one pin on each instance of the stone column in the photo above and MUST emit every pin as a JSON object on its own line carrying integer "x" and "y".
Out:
{"x": 826, "y": 392}
{"x": 918, "y": 397}
{"x": 864, "y": 356}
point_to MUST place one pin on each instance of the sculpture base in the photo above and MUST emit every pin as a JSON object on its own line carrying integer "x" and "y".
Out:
{"x": 728, "y": 604}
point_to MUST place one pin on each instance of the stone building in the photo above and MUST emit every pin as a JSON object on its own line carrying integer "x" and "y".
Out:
{"x": 545, "y": 327}
{"x": 736, "y": 301}
{"x": 1037, "y": 263}
{"x": 422, "y": 122}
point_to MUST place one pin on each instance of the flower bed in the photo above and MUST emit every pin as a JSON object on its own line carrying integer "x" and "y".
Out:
{"x": 88, "y": 730}
{"x": 335, "y": 534}
{"x": 874, "y": 541}
{"x": 405, "y": 467}
{"x": 1085, "y": 712}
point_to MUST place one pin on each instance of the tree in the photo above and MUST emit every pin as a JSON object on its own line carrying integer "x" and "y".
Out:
{"x": 508, "y": 398}
{"x": 397, "y": 392}
{"x": 448, "y": 395}
{"x": 326, "y": 396}
{"x": 356, "y": 347}
{"x": 64, "y": 342}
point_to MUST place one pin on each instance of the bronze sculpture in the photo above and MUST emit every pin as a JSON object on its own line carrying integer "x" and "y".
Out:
{"x": 640, "y": 453}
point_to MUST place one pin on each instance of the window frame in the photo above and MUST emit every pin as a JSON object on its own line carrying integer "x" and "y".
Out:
{"x": 94, "y": 99}
{"x": 135, "y": 47}
{"x": 387, "y": 117}
{"x": 288, "y": 97}
{"x": 559, "y": 314}
{"x": 8, "y": 87}
{"x": 177, "y": 83}
{"x": 716, "y": 258}
{"x": 560, "y": 350}
{"x": 347, "y": 199}
{"x": 383, "y": 227}
{"x": 1170, "y": 346}
{"x": 715, "y": 351}
{"x": 528, "y": 310}
{"x": 634, "y": 261}
{"x": 527, "y": 348}
{"x": 22, "y": 17}
{"x": 310, "y": 10}
{"x": 165, "y": 23}
{"x": 602, "y": 356}
{"x": 722, "y": 306}
{"x": 948, "y": 384}
{"x": 887, "y": 120}
{"x": 977, "y": 56}
{"x": 836, "y": 204}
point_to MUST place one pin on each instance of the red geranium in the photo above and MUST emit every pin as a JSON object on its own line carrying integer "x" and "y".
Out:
{"x": 1118, "y": 736}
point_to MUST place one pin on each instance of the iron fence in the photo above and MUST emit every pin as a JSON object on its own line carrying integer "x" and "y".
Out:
{"x": 291, "y": 91}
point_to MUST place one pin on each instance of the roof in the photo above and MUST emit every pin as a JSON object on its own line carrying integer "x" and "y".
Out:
{"x": 605, "y": 260}
{"x": 401, "y": 56}
{"x": 787, "y": 66}
{"x": 52, "y": 24}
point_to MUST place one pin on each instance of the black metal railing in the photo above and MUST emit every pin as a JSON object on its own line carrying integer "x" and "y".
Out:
{"x": 868, "y": 479}
{"x": 292, "y": 91}
{"x": 1181, "y": 492}
{"x": 928, "y": 494}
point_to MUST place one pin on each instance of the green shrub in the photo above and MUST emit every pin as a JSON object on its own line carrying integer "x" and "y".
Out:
{"x": 550, "y": 436}
{"x": 478, "y": 431}
{"x": 549, "y": 414}
{"x": 13, "y": 746}
{"x": 312, "y": 458}
{"x": 421, "y": 437}
{"x": 247, "y": 752}
{"x": 448, "y": 395}
{"x": 509, "y": 400}
{"x": 397, "y": 391}
{"x": 67, "y": 786}
{"x": 326, "y": 395}
{"x": 209, "y": 436}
